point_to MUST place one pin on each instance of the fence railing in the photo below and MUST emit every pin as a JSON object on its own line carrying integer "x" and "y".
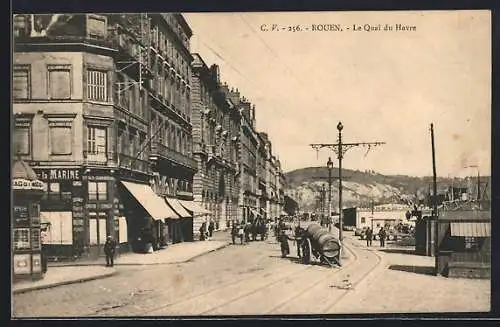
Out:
{"x": 172, "y": 155}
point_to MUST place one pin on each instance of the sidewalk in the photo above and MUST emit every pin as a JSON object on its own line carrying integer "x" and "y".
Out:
{"x": 57, "y": 276}
{"x": 406, "y": 283}
{"x": 175, "y": 253}
{"x": 65, "y": 273}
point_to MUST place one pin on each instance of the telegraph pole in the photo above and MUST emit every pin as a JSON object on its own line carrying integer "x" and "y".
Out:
{"x": 340, "y": 149}
{"x": 434, "y": 237}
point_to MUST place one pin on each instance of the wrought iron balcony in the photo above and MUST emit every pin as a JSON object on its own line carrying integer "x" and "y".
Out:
{"x": 164, "y": 152}
{"x": 199, "y": 148}
{"x": 131, "y": 163}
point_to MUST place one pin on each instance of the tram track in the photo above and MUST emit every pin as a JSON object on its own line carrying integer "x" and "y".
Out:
{"x": 200, "y": 299}
{"x": 253, "y": 294}
{"x": 330, "y": 305}
{"x": 315, "y": 284}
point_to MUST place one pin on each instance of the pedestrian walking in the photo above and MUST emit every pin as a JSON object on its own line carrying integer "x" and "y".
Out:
{"x": 369, "y": 236}
{"x": 203, "y": 229}
{"x": 241, "y": 233}
{"x": 382, "y": 235}
{"x": 234, "y": 232}
{"x": 299, "y": 232}
{"x": 283, "y": 239}
{"x": 211, "y": 227}
{"x": 247, "y": 230}
{"x": 109, "y": 251}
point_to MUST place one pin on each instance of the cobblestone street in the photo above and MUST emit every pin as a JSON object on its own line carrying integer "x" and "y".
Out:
{"x": 254, "y": 279}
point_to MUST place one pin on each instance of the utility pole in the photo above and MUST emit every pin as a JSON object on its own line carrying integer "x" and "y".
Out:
{"x": 434, "y": 200}
{"x": 330, "y": 179}
{"x": 340, "y": 149}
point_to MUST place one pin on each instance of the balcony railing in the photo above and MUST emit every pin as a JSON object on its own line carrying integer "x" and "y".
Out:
{"x": 165, "y": 152}
{"x": 199, "y": 148}
{"x": 131, "y": 163}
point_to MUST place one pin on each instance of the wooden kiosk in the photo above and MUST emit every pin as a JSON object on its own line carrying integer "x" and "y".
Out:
{"x": 26, "y": 243}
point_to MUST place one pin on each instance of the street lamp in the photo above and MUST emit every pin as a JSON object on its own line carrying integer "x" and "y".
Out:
{"x": 339, "y": 156}
{"x": 329, "y": 164}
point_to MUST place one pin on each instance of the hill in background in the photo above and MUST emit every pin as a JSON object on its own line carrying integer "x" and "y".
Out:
{"x": 361, "y": 188}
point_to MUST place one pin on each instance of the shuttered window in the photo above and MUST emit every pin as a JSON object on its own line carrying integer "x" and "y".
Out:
{"x": 59, "y": 81}
{"x": 96, "y": 27}
{"x": 22, "y": 137}
{"x": 21, "y": 82}
{"x": 60, "y": 140}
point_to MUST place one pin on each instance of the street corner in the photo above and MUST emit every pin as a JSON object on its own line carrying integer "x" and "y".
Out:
{"x": 59, "y": 276}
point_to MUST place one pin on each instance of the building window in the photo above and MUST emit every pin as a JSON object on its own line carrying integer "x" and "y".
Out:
{"x": 97, "y": 85}
{"x": 59, "y": 81}
{"x": 363, "y": 220}
{"x": 98, "y": 191}
{"x": 96, "y": 27}
{"x": 96, "y": 143}
{"x": 60, "y": 138}
{"x": 22, "y": 137}
{"x": 22, "y": 239}
{"x": 57, "y": 191}
{"x": 21, "y": 82}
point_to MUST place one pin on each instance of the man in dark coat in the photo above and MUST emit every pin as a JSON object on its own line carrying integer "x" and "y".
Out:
{"x": 203, "y": 229}
{"x": 299, "y": 232}
{"x": 369, "y": 236}
{"x": 234, "y": 232}
{"x": 109, "y": 251}
{"x": 211, "y": 227}
{"x": 382, "y": 235}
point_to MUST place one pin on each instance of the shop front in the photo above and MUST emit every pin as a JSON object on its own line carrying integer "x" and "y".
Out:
{"x": 62, "y": 210}
{"x": 144, "y": 211}
{"x": 197, "y": 212}
{"x": 180, "y": 229}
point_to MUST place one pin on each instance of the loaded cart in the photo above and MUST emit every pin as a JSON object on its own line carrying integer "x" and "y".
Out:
{"x": 320, "y": 243}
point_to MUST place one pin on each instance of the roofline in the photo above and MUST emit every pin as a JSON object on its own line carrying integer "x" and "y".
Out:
{"x": 184, "y": 24}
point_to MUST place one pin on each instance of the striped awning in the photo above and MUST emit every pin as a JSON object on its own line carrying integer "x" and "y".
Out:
{"x": 196, "y": 208}
{"x": 153, "y": 204}
{"x": 468, "y": 229}
{"x": 178, "y": 208}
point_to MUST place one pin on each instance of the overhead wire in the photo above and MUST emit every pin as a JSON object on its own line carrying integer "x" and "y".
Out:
{"x": 278, "y": 58}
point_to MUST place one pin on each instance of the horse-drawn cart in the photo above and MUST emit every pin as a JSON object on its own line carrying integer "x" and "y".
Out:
{"x": 320, "y": 243}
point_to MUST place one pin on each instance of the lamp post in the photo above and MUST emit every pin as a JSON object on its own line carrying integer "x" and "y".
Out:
{"x": 340, "y": 148}
{"x": 329, "y": 164}
{"x": 339, "y": 156}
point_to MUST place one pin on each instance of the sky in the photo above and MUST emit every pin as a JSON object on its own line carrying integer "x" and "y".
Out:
{"x": 383, "y": 85}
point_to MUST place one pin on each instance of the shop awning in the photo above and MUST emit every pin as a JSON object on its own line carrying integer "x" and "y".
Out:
{"x": 468, "y": 229}
{"x": 194, "y": 207}
{"x": 153, "y": 204}
{"x": 178, "y": 208}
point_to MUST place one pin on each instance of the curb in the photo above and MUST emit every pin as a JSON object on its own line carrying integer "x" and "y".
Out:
{"x": 201, "y": 254}
{"x": 143, "y": 264}
{"x": 66, "y": 282}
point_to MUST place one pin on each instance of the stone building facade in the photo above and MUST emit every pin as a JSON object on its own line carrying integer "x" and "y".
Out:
{"x": 100, "y": 102}
{"x": 215, "y": 136}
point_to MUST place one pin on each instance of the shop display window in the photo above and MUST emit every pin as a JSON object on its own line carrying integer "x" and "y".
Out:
{"x": 22, "y": 239}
